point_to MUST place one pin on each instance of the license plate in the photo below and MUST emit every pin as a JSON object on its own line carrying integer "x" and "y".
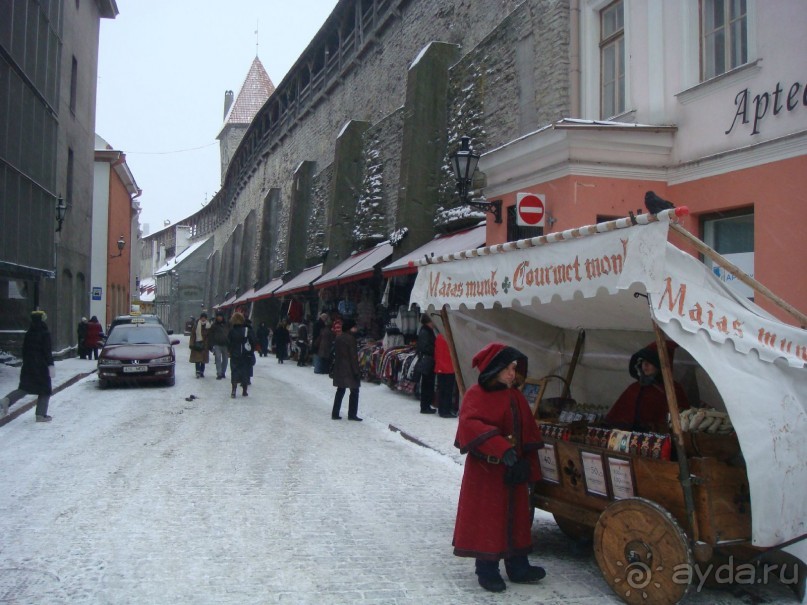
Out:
{"x": 134, "y": 369}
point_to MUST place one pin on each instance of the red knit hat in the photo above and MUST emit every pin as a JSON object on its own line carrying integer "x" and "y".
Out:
{"x": 496, "y": 356}
{"x": 482, "y": 359}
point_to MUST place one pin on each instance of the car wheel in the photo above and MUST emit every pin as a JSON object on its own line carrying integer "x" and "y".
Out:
{"x": 171, "y": 381}
{"x": 103, "y": 384}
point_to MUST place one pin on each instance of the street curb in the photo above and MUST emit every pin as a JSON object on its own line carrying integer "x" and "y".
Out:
{"x": 411, "y": 438}
{"x": 32, "y": 404}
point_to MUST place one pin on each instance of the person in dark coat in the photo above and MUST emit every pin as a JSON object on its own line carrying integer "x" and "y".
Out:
{"x": 425, "y": 364}
{"x": 241, "y": 344}
{"x": 643, "y": 405}
{"x": 81, "y": 334}
{"x": 93, "y": 338}
{"x": 497, "y": 430}
{"x": 281, "y": 340}
{"x": 263, "y": 338}
{"x": 217, "y": 339}
{"x": 324, "y": 345}
{"x": 345, "y": 371}
{"x": 37, "y": 368}
{"x": 198, "y": 343}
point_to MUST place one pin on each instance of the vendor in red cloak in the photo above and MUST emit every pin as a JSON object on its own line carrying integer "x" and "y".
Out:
{"x": 497, "y": 430}
{"x": 643, "y": 405}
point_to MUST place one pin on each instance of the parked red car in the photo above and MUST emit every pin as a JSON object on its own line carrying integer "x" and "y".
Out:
{"x": 137, "y": 353}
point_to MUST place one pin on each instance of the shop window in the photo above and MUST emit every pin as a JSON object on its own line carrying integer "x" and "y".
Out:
{"x": 515, "y": 231}
{"x": 612, "y": 60}
{"x": 732, "y": 235}
{"x": 724, "y": 36}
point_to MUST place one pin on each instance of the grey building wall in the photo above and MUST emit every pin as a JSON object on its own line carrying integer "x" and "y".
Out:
{"x": 508, "y": 75}
{"x": 48, "y": 74}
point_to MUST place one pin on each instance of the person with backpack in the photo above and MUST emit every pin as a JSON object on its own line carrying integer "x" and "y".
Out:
{"x": 241, "y": 346}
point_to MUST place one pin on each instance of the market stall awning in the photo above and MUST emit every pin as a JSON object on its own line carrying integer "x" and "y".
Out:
{"x": 226, "y": 303}
{"x": 267, "y": 291}
{"x": 358, "y": 266}
{"x": 244, "y": 298}
{"x": 470, "y": 239}
{"x": 301, "y": 282}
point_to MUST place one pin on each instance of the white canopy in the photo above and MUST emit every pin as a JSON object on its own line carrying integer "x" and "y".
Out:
{"x": 536, "y": 294}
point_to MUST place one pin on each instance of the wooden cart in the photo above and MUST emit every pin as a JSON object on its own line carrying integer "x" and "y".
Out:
{"x": 651, "y": 519}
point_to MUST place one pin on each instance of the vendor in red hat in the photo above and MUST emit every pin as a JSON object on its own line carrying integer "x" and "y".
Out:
{"x": 497, "y": 431}
{"x": 643, "y": 405}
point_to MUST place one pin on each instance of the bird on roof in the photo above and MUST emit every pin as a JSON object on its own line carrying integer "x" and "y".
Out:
{"x": 655, "y": 204}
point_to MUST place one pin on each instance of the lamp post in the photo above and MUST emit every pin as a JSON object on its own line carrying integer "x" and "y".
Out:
{"x": 464, "y": 162}
{"x": 61, "y": 211}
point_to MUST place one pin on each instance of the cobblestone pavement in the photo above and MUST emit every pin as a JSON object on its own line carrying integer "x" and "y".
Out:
{"x": 149, "y": 495}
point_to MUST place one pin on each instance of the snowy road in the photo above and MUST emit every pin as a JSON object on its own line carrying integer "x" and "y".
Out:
{"x": 140, "y": 496}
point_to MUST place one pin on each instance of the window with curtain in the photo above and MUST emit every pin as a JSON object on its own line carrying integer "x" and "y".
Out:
{"x": 612, "y": 60}
{"x": 724, "y": 36}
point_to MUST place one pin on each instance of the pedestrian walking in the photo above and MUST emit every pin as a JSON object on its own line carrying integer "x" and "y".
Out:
{"x": 94, "y": 337}
{"x": 200, "y": 349}
{"x": 302, "y": 343}
{"x": 217, "y": 338}
{"x": 446, "y": 381}
{"x": 497, "y": 430}
{"x": 241, "y": 342}
{"x": 37, "y": 368}
{"x": 262, "y": 334}
{"x": 281, "y": 339}
{"x": 324, "y": 348}
{"x": 345, "y": 371}
{"x": 425, "y": 363}
{"x": 81, "y": 334}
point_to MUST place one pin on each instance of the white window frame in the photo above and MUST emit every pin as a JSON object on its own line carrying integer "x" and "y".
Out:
{"x": 590, "y": 66}
{"x": 708, "y": 69}
{"x": 614, "y": 41}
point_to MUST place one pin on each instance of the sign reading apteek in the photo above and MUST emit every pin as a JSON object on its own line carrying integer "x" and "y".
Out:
{"x": 530, "y": 209}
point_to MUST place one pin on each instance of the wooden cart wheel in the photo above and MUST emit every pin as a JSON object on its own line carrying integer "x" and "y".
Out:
{"x": 574, "y": 529}
{"x": 640, "y": 549}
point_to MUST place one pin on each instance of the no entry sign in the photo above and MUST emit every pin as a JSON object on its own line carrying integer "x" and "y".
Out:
{"x": 530, "y": 209}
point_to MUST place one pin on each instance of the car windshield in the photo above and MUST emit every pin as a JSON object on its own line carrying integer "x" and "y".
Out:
{"x": 138, "y": 335}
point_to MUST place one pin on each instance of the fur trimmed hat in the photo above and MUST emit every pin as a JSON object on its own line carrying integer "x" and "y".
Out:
{"x": 495, "y": 357}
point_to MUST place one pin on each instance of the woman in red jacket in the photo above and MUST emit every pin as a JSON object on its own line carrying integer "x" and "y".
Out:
{"x": 93, "y": 338}
{"x": 497, "y": 430}
{"x": 446, "y": 382}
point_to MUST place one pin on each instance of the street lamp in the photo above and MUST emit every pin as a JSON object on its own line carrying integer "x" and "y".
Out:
{"x": 464, "y": 161}
{"x": 61, "y": 210}
{"x": 121, "y": 243}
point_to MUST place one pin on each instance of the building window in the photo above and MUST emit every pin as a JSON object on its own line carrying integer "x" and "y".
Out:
{"x": 516, "y": 232}
{"x": 69, "y": 180}
{"x": 612, "y": 60}
{"x": 732, "y": 235}
{"x": 724, "y": 36}
{"x": 73, "y": 85}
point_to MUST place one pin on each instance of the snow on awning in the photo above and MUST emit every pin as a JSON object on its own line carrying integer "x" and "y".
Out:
{"x": 442, "y": 244}
{"x": 301, "y": 282}
{"x": 226, "y": 303}
{"x": 267, "y": 291}
{"x": 358, "y": 266}
{"x": 244, "y": 298}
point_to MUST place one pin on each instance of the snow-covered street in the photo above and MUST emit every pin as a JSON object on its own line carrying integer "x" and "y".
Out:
{"x": 184, "y": 495}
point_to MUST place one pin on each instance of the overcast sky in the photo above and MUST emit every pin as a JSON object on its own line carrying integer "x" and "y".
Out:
{"x": 162, "y": 71}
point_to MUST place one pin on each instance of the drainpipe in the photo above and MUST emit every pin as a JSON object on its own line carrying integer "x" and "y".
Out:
{"x": 574, "y": 58}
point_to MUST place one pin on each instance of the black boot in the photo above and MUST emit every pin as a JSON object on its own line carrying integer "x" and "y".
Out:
{"x": 520, "y": 571}
{"x": 232, "y": 393}
{"x": 489, "y": 577}
{"x": 244, "y": 390}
